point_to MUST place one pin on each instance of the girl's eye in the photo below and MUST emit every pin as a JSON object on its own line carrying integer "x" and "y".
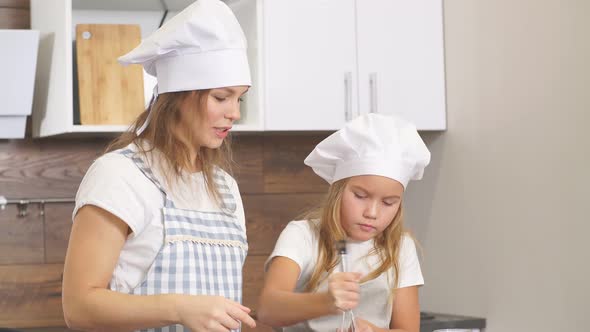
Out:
{"x": 220, "y": 99}
{"x": 391, "y": 202}
{"x": 359, "y": 195}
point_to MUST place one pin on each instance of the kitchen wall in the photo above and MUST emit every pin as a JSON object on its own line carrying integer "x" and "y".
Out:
{"x": 502, "y": 213}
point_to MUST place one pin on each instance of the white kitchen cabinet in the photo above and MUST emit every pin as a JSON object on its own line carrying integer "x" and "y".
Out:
{"x": 315, "y": 63}
{"x": 391, "y": 51}
{"x": 401, "y": 60}
{"x": 310, "y": 64}
{"x": 54, "y": 100}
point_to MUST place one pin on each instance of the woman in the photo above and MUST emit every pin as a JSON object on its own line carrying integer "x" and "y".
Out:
{"x": 158, "y": 240}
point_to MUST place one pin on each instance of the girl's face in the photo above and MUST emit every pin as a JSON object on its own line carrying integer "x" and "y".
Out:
{"x": 369, "y": 204}
{"x": 222, "y": 110}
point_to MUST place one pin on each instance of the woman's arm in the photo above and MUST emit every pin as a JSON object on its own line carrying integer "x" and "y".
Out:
{"x": 279, "y": 305}
{"x": 96, "y": 241}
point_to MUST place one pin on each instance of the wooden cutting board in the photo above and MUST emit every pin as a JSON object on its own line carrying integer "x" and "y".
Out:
{"x": 109, "y": 93}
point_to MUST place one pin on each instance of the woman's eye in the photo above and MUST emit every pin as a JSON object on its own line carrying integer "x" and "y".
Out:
{"x": 359, "y": 195}
{"x": 220, "y": 99}
{"x": 388, "y": 203}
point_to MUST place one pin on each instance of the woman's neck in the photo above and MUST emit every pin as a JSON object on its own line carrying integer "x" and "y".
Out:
{"x": 195, "y": 163}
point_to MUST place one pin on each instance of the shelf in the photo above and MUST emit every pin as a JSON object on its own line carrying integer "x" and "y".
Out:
{"x": 99, "y": 128}
{"x": 124, "y": 5}
{"x": 112, "y": 131}
{"x": 158, "y": 5}
{"x": 53, "y": 113}
{"x": 245, "y": 127}
{"x": 121, "y": 128}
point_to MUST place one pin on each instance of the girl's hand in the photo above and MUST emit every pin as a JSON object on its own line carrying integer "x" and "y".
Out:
{"x": 211, "y": 313}
{"x": 364, "y": 326}
{"x": 361, "y": 325}
{"x": 344, "y": 290}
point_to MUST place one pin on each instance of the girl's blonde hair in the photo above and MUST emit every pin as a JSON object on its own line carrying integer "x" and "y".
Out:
{"x": 326, "y": 220}
{"x": 162, "y": 134}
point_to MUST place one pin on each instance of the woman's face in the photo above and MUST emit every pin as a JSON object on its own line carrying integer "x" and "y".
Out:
{"x": 369, "y": 204}
{"x": 222, "y": 110}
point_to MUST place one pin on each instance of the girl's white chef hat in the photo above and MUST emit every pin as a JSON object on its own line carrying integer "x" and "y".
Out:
{"x": 372, "y": 144}
{"x": 202, "y": 47}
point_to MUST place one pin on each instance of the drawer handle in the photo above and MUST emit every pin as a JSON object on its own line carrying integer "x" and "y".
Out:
{"x": 373, "y": 93}
{"x": 348, "y": 96}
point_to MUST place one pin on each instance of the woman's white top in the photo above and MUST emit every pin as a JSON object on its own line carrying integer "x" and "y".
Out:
{"x": 114, "y": 183}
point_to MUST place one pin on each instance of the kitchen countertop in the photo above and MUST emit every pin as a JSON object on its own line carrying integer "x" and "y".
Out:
{"x": 428, "y": 322}
{"x": 433, "y": 321}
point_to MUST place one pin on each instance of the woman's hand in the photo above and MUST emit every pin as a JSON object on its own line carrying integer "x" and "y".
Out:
{"x": 212, "y": 313}
{"x": 344, "y": 289}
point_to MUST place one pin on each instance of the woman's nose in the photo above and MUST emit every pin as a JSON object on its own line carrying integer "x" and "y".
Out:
{"x": 234, "y": 112}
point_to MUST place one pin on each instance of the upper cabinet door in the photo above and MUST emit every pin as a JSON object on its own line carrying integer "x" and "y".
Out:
{"x": 309, "y": 64}
{"x": 401, "y": 60}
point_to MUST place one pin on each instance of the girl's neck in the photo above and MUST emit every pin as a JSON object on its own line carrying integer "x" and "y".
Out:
{"x": 359, "y": 242}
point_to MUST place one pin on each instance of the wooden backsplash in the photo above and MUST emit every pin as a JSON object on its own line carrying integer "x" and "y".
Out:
{"x": 274, "y": 183}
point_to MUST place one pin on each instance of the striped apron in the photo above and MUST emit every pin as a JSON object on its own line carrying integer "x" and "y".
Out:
{"x": 203, "y": 252}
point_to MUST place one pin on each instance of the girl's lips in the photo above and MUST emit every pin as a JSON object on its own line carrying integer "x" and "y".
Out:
{"x": 366, "y": 227}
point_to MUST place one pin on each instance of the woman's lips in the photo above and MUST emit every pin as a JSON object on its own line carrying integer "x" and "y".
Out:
{"x": 221, "y": 132}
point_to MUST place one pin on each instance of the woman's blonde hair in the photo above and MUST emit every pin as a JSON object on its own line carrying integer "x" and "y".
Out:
{"x": 326, "y": 220}
{"x": 162, "y": 134}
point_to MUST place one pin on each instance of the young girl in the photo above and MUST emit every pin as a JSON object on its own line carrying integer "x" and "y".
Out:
{"x": 158, "y": 240}
{"x": 368, "y": 164}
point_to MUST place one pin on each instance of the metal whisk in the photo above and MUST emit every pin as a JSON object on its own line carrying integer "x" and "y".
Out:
{"x": 348, "y": 323}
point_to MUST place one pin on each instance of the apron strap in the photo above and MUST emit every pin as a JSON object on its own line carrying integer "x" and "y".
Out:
{"x": 147, "y": 171}
{"x": 228, "y": 202}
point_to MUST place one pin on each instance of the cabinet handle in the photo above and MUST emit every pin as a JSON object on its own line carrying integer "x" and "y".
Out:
{"x": 373, "y": 93}
{"x": 348, "y": 96}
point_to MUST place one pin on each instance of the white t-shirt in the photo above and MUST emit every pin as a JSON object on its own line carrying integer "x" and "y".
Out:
{"x": 114, "y": 183}
{"x": 299, "y": 242}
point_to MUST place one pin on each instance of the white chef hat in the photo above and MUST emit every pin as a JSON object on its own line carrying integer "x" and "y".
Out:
{"x": 372, "y": 144}
{"x": 202, "y": 47}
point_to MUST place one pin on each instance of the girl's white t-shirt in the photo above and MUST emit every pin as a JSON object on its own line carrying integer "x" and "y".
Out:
{"x": 114, "y": 183}
{"x": 299, "y": 242}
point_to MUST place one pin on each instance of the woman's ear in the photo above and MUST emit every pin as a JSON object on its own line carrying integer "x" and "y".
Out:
{"x": 190, "y": 105}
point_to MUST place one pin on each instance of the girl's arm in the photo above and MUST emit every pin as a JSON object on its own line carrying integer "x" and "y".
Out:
{"x": 280, "y": 306}
{"x": 406, "y": 310}
{"x": 96, "y": 241}
{"x": 405, "y": 313}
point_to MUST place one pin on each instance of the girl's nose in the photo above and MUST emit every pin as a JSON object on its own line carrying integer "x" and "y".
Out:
{"x": 371, "y": 210}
